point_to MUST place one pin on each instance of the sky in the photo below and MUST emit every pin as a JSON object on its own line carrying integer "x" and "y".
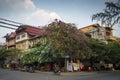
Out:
{"x": 43, "y": 12}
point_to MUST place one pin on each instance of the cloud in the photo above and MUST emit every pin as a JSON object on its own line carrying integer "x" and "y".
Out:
{"x": 42, "y": 17}
{"x": 28, "y": 4}
{"x": 19, "y": 10}
{"x": 16, "y": 6}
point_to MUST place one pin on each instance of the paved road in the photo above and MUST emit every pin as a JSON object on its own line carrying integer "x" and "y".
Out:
{"x": 18, "y": 75}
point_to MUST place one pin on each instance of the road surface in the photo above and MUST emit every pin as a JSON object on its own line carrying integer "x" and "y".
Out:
{"x": 6, "y": 74}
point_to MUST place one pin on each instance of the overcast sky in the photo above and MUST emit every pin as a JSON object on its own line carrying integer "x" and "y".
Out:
{"x": 42, "y": 12}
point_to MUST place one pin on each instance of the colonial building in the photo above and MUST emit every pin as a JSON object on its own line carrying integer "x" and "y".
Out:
{"x": 95, "y": 31}
{"x": 24, "y": 37}
{"x": 109, "y": 34}
{"x": 10, "y": 40}
{"x": 103, "y": 34}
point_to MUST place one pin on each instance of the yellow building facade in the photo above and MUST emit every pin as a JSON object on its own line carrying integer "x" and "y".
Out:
{"x": 103, "y": 34}
{"x": 95, "y": 31}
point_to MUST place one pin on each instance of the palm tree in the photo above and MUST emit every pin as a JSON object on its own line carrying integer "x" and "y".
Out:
{"x": 111, "y": 14}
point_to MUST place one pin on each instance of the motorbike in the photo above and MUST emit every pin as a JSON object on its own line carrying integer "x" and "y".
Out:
{"x": 56, "y": 72}
{"x": 29, "y": 69}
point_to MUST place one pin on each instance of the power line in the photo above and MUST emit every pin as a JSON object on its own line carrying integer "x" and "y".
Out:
{"x": 7, "y": 27}
{"x": 8, "y": 24}
{"x": 10, "y": 21}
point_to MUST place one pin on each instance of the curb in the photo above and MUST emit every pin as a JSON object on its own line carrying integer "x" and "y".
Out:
{"x": 70, "y": 73}
{"x": 78, "y": 73}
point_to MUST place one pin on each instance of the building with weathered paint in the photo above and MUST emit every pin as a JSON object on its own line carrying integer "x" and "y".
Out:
{"x": 24, "y": 37}
{"x": 95, "y": 31}
{"x": 103, "y": 34}
{"x": 109, "y": 34}
{"x": 10, "y": 40}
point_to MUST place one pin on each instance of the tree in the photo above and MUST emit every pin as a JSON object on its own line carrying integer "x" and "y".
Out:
{"x": 65, "y": 39}
{"x": 3, "y": 54}
{"x": 113, "y": 52}
{"x": 14, "y": 53}
{"x": 10, "y": 54}
{"x": 38, "y": 53}
{"x": 98, "y": 50}
{"x": 111, "y": 14}
{"x": 108, "y": 53}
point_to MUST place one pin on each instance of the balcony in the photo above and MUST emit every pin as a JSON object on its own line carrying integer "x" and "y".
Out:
{"x": 111, "y": 38}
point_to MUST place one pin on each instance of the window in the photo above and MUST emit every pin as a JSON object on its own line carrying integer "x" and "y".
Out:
{"x": 23, "y": 35}
{"x": 18, "y": 37}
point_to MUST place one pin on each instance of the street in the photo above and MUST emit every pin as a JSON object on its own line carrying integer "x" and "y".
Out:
{"x": 6, "y": 74}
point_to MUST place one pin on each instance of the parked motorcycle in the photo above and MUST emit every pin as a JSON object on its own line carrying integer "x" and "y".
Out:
{"x": 29, "y": 69}
{"x": 56, "y": 72}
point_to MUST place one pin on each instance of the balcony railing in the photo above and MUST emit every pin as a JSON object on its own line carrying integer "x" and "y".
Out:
{"x": 110, "y": 38}
{"x": 10, "y": 43}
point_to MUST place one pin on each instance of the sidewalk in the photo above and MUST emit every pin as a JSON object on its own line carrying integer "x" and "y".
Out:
{"x": 78, "y": 73}
{"x": 70, "y": 73}
{"x": 82, "y": 73}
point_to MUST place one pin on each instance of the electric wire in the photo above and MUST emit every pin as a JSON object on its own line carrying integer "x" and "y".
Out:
{"x": 11, "y": 21}
{"x": 7, "y": 27}
{"x": 8, "y": 24}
